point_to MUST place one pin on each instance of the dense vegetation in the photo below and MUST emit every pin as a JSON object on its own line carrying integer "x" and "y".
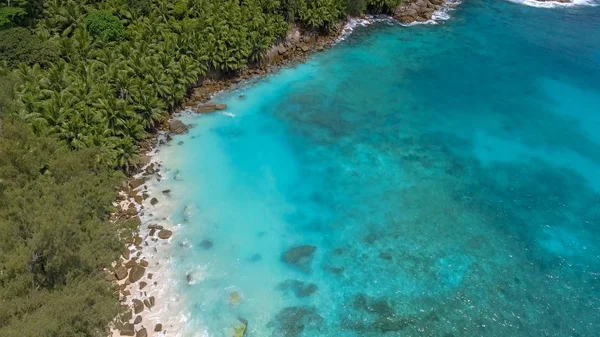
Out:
{"x": 82, "y": 83}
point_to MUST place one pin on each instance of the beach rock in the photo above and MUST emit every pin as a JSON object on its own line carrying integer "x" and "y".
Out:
{"x": 150, "y": 169}
{"x": 177, "y": 127}
{"x": 210, "y": 107}
{"x": 206, "y": 244}
{"x": 135, "y": 183}
{"x": 165, "y": 234}
{"x": 121, "y": 272}
{"x": 141, "y": 333}
{"x": 138, "y": 306}
{"x": 155, "y": 227}
{"x": 110, "y": 277}
{"x": 138, "y": 319}
{"x": 153, "y": 201}
{"x": 130, "y": 264}
{"x": 304, "y": 48}
{"x": 143, "y": 285}
{"x": 152, "y": 300}
{"x": 158, "y": 327}
{"x": 127, "y": 330}
{"x": 144, "y": 263}
{"x": 136, "y": 273}
{"x": 138, "y": 199}
{"x": 300, "y": 257}
{"x": 150, "y": 275}
{"x": 137, "y": 240}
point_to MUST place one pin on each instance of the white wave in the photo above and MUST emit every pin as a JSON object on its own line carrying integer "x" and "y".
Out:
{"x": 228, "y": 114}
{"x": 441, "y": 14}
{"x": 554, "y": 4}
{"x": 361, "y": 22}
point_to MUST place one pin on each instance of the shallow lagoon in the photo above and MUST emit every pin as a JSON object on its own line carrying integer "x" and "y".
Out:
{"x": 448, "y": 176}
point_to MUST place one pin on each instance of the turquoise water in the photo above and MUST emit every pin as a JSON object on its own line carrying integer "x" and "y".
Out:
{"x": 448, "y": 177}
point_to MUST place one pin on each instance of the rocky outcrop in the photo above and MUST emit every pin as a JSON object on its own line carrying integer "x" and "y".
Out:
{"x": 177, "y": 127}
{"x": 209, "y": 107}
{"x": 416, "y": 10}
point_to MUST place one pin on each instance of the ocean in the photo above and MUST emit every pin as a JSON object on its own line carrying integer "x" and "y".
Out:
{"x": 431, "y": 180}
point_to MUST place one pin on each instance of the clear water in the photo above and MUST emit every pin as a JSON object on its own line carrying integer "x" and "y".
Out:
{"x": 449, "y": 177}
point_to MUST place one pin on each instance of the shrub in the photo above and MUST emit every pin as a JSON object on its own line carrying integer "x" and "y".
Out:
{"x": 19, "y": 45}
{"x": 103, "y": 23}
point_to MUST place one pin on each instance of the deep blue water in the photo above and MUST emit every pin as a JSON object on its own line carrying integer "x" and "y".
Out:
{"x": 448, "y": 176}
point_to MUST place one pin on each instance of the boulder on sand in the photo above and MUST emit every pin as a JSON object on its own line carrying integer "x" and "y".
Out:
{"x": 141, "y": 333}
{"x": 138, "y": 306}
{"x": 121, "y": 272}
{"x": 300, "y": 256}
{"x": 165, "y": 234}
{"x": 136, "y": 273}
{"x": 127, "y": 330}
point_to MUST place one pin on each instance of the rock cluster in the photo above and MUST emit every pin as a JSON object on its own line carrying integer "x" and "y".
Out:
{"x": 416, "y": 10}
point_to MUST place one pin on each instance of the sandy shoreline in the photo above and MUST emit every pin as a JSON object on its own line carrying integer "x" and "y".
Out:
{"x": 163, "y": 309}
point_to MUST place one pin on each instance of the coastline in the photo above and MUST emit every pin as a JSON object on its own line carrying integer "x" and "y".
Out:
{"x": 148, "y": 249}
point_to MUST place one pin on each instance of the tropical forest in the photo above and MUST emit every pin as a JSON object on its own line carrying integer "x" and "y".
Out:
{"x": 82, "y": 85}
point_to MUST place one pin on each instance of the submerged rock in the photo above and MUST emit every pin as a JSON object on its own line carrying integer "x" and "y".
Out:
{"x": 235, "y": 298}
{"x": 255, "y": 258}
{"x": 153, "y": 201}
{"x": 385, "y": 256}
{"x": 206, "y": 244}
{"x": 239, "y": 330}
{"x": 299, "y": 288}
{"x": 291, "y": 321}
{"x": 300, "y": 256}
{"x": 158, "y": 327}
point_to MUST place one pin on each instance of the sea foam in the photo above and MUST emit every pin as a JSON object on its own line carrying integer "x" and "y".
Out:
{"x": 554, "y": 4}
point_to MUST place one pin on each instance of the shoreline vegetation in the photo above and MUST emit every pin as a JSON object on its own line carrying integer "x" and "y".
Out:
{"x": 85, "y": 89}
